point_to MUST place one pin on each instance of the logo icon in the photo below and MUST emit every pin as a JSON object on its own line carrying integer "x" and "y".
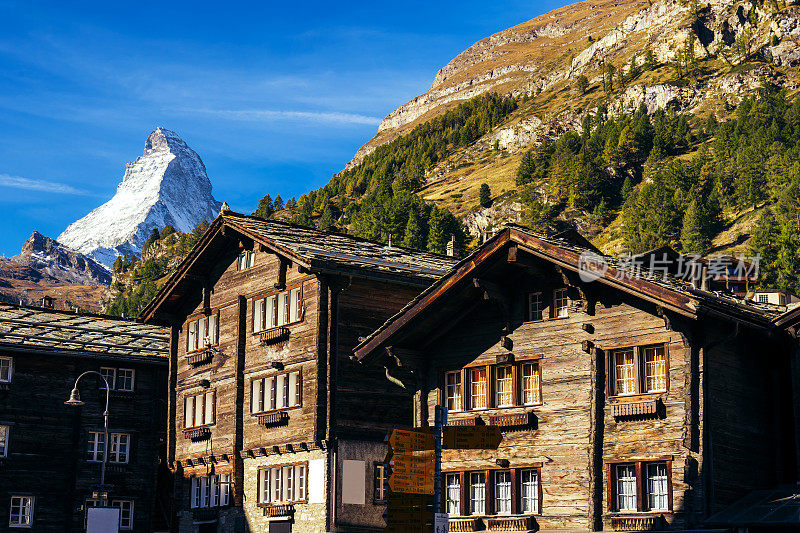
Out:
{"x": 591, "y": 266}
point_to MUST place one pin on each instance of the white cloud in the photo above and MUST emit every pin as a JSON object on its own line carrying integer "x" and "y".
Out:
{"x": 309, "y": 116}
{"x": 16, "y": 182}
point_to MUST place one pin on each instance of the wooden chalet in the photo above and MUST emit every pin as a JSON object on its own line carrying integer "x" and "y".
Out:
{"x": 625, "y": 402}
{"x": 272, "y": 426}
{"x": 51, "y": 453}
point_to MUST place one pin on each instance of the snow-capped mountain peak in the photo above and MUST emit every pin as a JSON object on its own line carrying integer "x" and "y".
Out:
{"x": 167, "y": 184}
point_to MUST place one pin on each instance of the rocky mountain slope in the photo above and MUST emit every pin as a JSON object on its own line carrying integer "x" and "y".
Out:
{"x": 56, "y": 261}
{"x": 166, "y": 185}
{"x": 542, "y": 59}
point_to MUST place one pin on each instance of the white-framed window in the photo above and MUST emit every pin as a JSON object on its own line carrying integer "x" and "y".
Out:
{"x": 281, "y": 391}
{"x": 502, "y": 492}
{"x": 531, "y": 383}
{"x": 453, "y": 493}
{"x": 536, "y": 306}
{"x": 21, "y": 514}
{"x": 478, "y": 388}
{"x": 477, "y": 493}
{"x": 763, "y": 298}
{"x": 210, "y": 491}
{"x": 624, "y": 372}
{"x": 657, "y": 487}
{"x": 278, "y": 309}
{"x": 639, "y": 370}
{"x": 453, "y": 391}
{"x": 381, "y": 482}
{"x": 119, "y": 447}
{"x": 246, "y": 260}
{"x": 282, "y": 484}
{"x": 529, "y": 491}
{"x": 560, "y": 303}
{"x": 199, "y": 409}
{"x": 125, "y": 379}
{"x": 655, "y": 369}
{"x": 125, "y": 513}
{"x": 111, "y": 377}
{"x": 202, "y": 332}
{"x": 626, "y": 487}
{"x": 4, "y": 432}
{"x": 6, "y": 369}
{"x": 503, "y": 386}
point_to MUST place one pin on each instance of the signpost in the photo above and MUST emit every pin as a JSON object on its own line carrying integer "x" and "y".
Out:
{"x": 415, "y": 463}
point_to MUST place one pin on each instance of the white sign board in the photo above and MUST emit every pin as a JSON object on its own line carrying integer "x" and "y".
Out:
{"x": 316, "y": 481}
{"x": 354, "y": 482}
{"x": 441, "y": 522}
{"x": 102, "y": 520}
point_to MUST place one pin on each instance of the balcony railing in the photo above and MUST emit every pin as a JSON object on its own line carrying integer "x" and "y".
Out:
{"x": 204, "y": 356}
{"x": 645, "y": 409}
{"x": 470, "y": 421}
{"x": 637, "y": 523}
{"x": 279, "y": 510}
{"x": 519, "y": 420}
{"x": 273, "y": 419}
{"x": 197, "y": 433}
{"x": 510, "y": 523}
{"x": 459, "y": 525}
{"x": 273, "y": 336}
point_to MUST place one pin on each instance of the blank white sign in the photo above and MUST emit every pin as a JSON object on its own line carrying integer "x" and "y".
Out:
{"x": 354, "y": 481}
{"x": 102, "y": 520}
{"x": 316, "y": 481}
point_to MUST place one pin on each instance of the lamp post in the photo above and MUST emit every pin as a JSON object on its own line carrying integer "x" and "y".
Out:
{"x": 75, "y": 401}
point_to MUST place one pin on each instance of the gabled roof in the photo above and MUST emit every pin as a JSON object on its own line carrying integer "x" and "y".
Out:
{"x": 49, "y": 330}
{"x": 663, "y": 290}
{"x": 315, "y": 250}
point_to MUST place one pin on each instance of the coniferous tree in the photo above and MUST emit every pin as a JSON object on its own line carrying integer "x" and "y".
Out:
{"x": 167, "y": 230}
{"x": 485, "y": 195}
{"x": 265, "y": 208}
{"x": 278, "y": 205}
{"x": 437, "y": 233}
{"x": 414, "y": 233}
{"x": 582, "y": 83}
{"x": 765, "y": 245}
{"x": 650, "y": 60}
{"x": 695, "y": 238}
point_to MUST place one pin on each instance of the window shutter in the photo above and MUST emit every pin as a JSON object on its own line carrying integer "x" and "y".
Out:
{"x": 279, "y": 389}
{"x": 209, "y": 410}
{"x": 300, "y": 481}
{"x": 282, "y": 308}
{"x": 213, "y": 328}
{"x": 258, "y": 315}
{"x": 198, "y": 410}
{"x": 271, "y": 322}
{"x": 294, "y": 389}
{"x": 192, "y": 342}
{"x": 188, "y": 412}
{"x": 256, "y": 401}
{"x": 202, "y": 333}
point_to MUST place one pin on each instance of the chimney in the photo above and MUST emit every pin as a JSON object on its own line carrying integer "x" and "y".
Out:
{"x": 451, "y": 246}
{"x": 47, "y": 302}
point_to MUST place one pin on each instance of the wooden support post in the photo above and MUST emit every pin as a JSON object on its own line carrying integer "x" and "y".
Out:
{"x": 280, "y": 284}
{"x": 238, "y": 440}
{"x": 596, "y": 428}
{"x": 174, "y": 336}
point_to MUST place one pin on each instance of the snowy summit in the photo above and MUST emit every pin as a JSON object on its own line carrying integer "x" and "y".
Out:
{"x": 166, "y": 185}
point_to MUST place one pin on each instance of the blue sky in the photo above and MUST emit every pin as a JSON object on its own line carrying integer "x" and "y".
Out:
{"x": 274, "y": 96}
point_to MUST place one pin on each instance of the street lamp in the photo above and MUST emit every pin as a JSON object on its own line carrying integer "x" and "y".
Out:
{"x": 75, "y": 401}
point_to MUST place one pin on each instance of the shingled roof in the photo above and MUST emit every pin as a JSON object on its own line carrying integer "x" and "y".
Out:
{"x": 317, "y": 251}
{"x": 79, "y": 334}
{"x": 664, "y": 290}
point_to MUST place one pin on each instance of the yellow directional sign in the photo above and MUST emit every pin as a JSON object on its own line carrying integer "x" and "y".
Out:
{"x": 471, "y": 437}
{"x": 411, "y": 440}
{"x": 412, "y": 473}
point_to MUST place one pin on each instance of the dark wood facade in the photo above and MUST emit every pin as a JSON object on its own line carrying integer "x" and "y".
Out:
{"x": 290, "y": 426}
{"x": 50, "y": 459}
{"x": 624, "y": 403}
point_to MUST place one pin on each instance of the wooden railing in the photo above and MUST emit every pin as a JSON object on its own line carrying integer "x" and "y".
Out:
{"x": 206, "y": 355}
{"x": 647, "y": 408}
{"x": 279, "y": 510}
{"x": 459, "y": 525}
{"x": 273, "y": 336}
{"x": 273, "y": 419}
{"x": 196, "y": 433}
{"x": 516, "y": 420}
{"x": 470, "y": 421}
{"x": 509, "y": 523}
{"x": 636, "y": 523}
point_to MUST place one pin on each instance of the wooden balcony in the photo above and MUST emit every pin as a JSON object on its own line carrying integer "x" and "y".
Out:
{"x": 202, "y": 357}
{"x": 637, "y": 523}
{"x": 205, "y": 514}
{"x": 519, "y": 420}
{"x": 273, "y": 336}
{"x": 196, "y": 434}
{"x": 644, "y": 409}
{"x": 278, "y": 510}
{"x": 278, "y": 418}
{"x": 469, "y": 421}
{"x": 510, "y": 523}
{"x": 458, "y": 525}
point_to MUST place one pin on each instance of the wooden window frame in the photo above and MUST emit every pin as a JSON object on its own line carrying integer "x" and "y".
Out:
{"x": 491, "y": 373}
{"x": 112, "y": 383}
{"x": 31, "y": 514}
{"x": 132, "y": 520}
{"x": 639, "y": 370}
{"x": 553, "y": 299}
{"x": 274, "y": 376}
{"x": 249, "y": 257}
{"x": 98, "y": 452}
{"x": 379, "y": 485}
{"x": 195, "y": 481}
{"x": 465, "y": 503}
{"x": 213, "y": 416}
{"x": 10, "y": 368}
{"x": 133, "y": 380}
{"x": 196, "y": 319}
{"x": 542, "y": 303}
{"x": 291, "y": 320}
{"x": 641, "y": 485}
{"x": 5, "y": 439}
{"x": 445, "y": 392}
{"x": 259, "y": 488}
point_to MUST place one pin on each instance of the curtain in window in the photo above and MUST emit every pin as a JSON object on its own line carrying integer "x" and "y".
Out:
{"x": 655, "y": 369}
{"x": 530, "y": 384}
{"x": 477, "y": 493}
{"x": 478, "y": 388}
{"x": 657, "y": 491}
{"x": 529, "y": 491}
{"x": 502, "y": 492}
{"x": 624, "y": 372}
{"x": 626, "y": 488}
{"x": 453, "y": 489}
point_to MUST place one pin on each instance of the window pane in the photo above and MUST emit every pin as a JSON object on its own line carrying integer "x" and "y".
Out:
{"x": 300, "y": 482}
{"x": 258, "y": 315}
{"x": 502, "y": 492}
{"x": 530, "y": 384}
{"x": 125, "y": 513}
{"x": 478, "y": 388}
{"x": 535, "y": 306}
{"x": 626, "y": 488}
{"x": 5, "y": 369}
{"x": 224, "y": 489}
{"x": 192, "y": 336}
{"x": 657, "y": 487}
{"x": 198, "y": 410}
{"x": 288, "y": 483}
{"x": 256, "y": 399}
{"x": 212, "y": 329}
{"x": 21, "y": 511}
{"x": 477, "y": 493}
{"x": 276, "y": 484}
{"x": 453, "y": 493}
{"x": 109, "y": 374}
{"x": 624, "y": 372}
{"x": 453, "y": 391}
{"x": 194, "y": 496}
{"x": 560, "y": 302}
{"x": 655, "y": 369}
{"x": 202, "y": 332}
{"x": 3, "y": 441}
{"x": 269, "y": 393}
{"x": 281, "y": 390}
{"x": 209, "y": 410}
{"x": 503, "y": 386}
{"x": 294, "y": 302}
{"x": 125, "y": 379}
{"x": 270, "y": 310}
{"x": 282, "y": 309}
{"x": 251, "y": 258}
{"x": 529, "y": 491}
{"x": 188, "y": 412}
{"x": 263, "y": 476}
